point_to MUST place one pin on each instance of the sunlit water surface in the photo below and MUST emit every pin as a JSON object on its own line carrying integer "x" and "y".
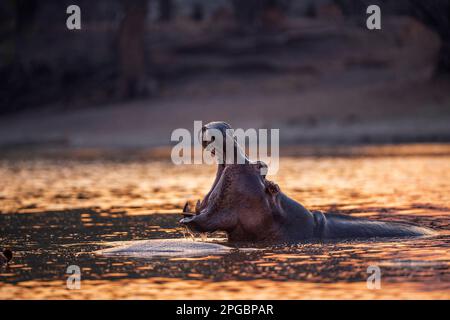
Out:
{"x": 56, "y": 212}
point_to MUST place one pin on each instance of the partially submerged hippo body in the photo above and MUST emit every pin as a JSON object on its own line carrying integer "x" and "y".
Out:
{"x": 248, "y": 207}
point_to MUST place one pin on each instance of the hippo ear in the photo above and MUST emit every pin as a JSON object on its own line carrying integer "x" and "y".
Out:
{"x": 272, "y": 188}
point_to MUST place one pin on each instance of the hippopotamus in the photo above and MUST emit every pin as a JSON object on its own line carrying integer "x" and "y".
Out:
{"x": 248, "y": 207}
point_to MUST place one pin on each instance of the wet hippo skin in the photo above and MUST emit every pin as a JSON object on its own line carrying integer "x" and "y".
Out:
{"x": 248, "y": 207}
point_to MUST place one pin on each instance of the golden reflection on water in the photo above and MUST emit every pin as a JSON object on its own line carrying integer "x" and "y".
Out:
{"x": 55, "y": 212}
{"x": 173, "y": 289}
{"x": 410, "y": 185}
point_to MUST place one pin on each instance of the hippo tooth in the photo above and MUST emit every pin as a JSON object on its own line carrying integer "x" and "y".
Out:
{"x": 186, "y": 207}
{"x": 186, "y": 211}
{"x": 197, "y": 206}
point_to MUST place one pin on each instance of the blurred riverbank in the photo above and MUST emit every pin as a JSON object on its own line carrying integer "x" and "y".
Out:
{"x": 384, "y": 113}
{"x": 320, "y": 81}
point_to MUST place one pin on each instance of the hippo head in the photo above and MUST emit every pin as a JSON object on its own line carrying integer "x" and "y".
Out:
{"x": 241, "y": 201}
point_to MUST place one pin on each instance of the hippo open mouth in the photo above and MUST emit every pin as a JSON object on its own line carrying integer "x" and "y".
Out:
{"x": 248, "y": 207}
{"x": 236, "y": 193}
{"x": 204, "y": 217}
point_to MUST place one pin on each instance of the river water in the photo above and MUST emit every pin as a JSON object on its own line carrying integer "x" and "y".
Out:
{"x": 55, "y": 211}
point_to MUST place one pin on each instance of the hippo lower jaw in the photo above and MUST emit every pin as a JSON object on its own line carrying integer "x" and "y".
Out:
{"x": 193, "y": 225}
{"x": 198, "y": 222}
{"x": 189, "y": 219}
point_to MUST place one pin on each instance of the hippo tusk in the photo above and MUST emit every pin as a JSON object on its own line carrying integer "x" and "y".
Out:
{"x": 186, "y": 211}
{"x": 197, "y": 207}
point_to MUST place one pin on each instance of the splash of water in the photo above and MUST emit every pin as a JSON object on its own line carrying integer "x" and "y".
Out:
{"x": 188, "y": 234}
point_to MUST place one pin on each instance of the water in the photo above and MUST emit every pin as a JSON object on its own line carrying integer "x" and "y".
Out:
{"x": 55, "y": 212}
